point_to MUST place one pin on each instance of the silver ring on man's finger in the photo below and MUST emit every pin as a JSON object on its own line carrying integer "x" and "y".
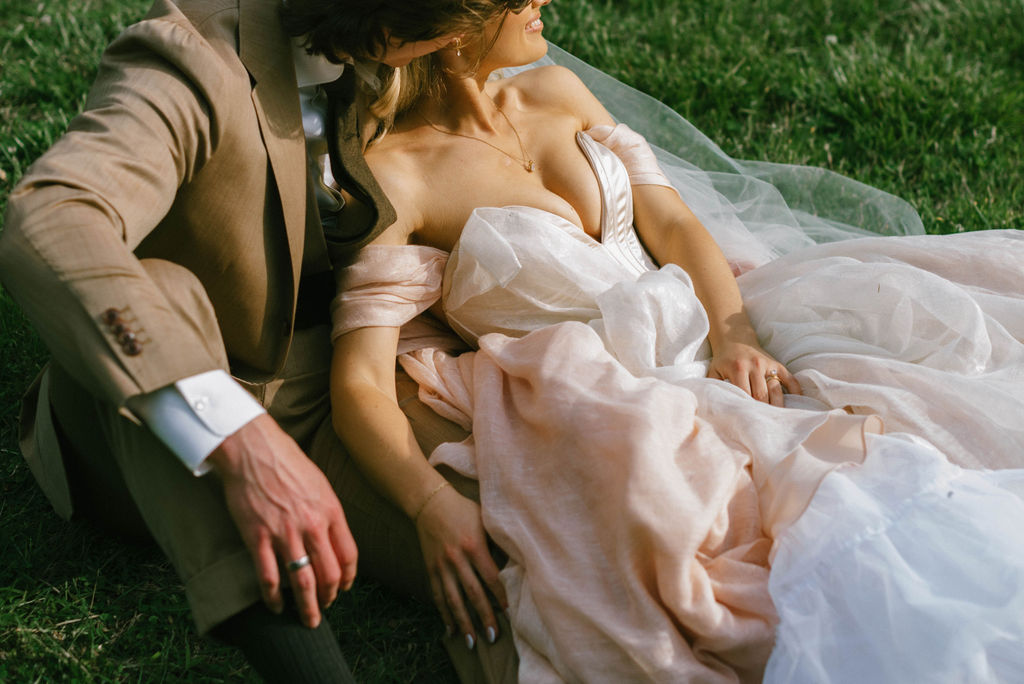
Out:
{"x": 298, "y": 564}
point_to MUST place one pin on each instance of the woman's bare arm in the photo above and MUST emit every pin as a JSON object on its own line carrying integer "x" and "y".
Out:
{"x": 367, "y": 418}
{"x": 672, "y": 234}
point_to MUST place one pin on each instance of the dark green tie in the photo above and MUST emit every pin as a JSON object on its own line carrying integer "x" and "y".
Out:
{"x": 349, "y": 168}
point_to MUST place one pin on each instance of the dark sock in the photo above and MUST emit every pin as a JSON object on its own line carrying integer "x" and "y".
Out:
{"x": 281, "y": 649}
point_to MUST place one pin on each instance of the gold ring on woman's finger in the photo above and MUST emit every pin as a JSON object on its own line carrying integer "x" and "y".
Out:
{"x": 772, "y": 374}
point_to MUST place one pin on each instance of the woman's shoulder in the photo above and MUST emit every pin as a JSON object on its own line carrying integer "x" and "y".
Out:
{"x": 398, "y": 162}
{"x": 555, "y": 87}
{"x": 549, "y": 84}
{"x": 552, "y": 75}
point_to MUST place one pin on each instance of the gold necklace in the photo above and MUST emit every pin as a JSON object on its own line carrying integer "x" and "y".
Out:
{"x": 525, "y": 161}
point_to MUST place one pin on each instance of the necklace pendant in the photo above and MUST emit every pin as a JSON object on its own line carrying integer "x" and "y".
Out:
{"x": 529, "y": 166}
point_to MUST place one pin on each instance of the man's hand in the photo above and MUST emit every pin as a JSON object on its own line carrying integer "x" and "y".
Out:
{"x": 285, "y": 509}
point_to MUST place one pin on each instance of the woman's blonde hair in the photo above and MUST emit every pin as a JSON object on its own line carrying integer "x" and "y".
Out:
{"x": 363, "y": 29}
{"x": 400, "y": 90}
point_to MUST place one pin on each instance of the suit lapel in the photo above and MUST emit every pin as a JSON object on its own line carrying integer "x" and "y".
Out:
{"x": 265, "y": 51}
{"x": 345, "y": 143}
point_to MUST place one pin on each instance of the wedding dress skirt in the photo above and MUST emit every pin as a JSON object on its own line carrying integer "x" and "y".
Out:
{"x": 903, "y": 569}
{"x": 905, "y": 544}
{"x": 641, "y": 504}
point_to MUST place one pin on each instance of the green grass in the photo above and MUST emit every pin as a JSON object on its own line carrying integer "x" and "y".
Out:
{"x": 923, "y": 99}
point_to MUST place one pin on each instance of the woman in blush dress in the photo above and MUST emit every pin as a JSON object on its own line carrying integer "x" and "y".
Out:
{"x": 674, "y": 398}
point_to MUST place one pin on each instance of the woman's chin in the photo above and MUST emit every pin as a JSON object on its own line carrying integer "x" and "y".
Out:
{"x": 529, "y": 56}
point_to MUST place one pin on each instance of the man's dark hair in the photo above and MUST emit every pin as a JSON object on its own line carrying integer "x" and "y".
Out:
{"x": 360, "y": 28}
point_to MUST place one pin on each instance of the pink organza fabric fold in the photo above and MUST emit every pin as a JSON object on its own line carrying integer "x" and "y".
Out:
{"x": 637, "y": 518}
{"x": 393, "y": 286}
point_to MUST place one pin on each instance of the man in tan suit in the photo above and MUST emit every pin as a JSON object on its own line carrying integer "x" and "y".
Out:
{"x": 172, "y": 250}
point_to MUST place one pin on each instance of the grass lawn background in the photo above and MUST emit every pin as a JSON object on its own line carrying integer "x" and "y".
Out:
{"x": 923, "y": 98}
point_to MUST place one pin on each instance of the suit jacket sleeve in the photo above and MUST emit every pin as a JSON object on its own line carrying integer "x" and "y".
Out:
{"x": 66, "y": 254}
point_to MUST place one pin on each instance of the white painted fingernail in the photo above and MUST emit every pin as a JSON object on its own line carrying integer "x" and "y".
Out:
{"x": 470, "y": 642}
{"x": 492, "y": 635}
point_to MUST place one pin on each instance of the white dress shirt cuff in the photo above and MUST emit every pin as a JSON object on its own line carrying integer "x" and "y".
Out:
{"x": 194, "y": 415}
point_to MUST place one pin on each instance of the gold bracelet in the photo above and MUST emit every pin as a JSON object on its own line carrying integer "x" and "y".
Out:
{"x": 430, "y": 496}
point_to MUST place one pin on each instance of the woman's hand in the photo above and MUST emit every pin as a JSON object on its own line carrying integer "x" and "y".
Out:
{"x": 750, "y": 368}
{"x": 454, "y": 545}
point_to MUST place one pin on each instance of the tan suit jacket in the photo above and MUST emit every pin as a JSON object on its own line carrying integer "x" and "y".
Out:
{"x": 191, "y": 149}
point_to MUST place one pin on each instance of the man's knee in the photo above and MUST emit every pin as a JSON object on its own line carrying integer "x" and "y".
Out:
{"x": 97, "y": 488}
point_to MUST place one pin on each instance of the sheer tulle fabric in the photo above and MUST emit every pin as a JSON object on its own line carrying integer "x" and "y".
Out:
{"x": 905, "y": 569}
{"x": 782, "y": 206}
{"x": 756, "y": 211}
{"x": 925, "y": 331}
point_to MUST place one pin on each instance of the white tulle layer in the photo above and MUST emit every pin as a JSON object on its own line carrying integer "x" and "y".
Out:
{"x": 903, "y": 569}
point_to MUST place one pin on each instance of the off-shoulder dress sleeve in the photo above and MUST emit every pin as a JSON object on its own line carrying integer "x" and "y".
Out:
{"x": 392, "y": 286}
{"x": 636, "y": 155}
